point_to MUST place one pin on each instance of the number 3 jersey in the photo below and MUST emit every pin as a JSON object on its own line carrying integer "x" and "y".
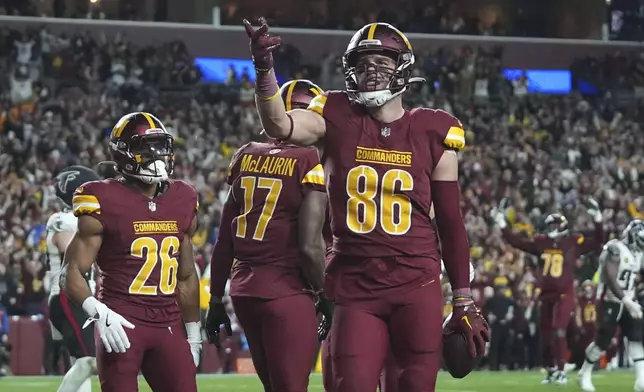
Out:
{"x": 138, "y": 258}
{"x": 268, "y": 183}
{"x": 629, "y": 266}
{"x": 379, "y": 175}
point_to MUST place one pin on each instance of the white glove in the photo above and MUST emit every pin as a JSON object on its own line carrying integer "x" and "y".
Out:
{"x": 193, "y": 330}
{"x": 633, "y": 308}
{"x": 110, "y": 325}
{"x": 594, "y": 210}
{"x": 499, "y": 218}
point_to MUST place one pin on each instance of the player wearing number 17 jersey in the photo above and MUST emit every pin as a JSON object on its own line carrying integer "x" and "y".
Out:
{"x": 138, "y": 228}
{"x": 272, "y": 225}
{"x": 384, "y": 166}
{"x": 558, "y": 251}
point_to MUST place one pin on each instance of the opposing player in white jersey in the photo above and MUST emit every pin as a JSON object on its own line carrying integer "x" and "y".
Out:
{"x": 66, "y": 317}
{"x": 619, "y": 264}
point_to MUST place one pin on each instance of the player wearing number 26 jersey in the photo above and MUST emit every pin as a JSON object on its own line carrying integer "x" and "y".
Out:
{"x": 138, "y": 228}
{"x": 558, "y": 252}
{"x": 384, "y": 167}
{"x": 272, "y": 226}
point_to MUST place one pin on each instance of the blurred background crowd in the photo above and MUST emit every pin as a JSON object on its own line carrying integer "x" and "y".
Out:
{"x": 60, "y": 94}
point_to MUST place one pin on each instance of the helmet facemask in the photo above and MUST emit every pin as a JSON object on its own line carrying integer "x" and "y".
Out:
{"x": 148, "y": 158}
{"x": 381, "y": 82}
{"x": 634, "y": 234}
{"x": 556, "y": 226}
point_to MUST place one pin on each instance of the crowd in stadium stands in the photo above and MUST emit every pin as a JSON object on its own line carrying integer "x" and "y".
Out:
{"x": 61, "y": 95}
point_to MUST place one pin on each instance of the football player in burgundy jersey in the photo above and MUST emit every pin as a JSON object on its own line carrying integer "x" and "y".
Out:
{"x": 385, "y": 165}
{"x": 271, "y": 226}
{"x": 585, "y": 323}
{"x": 558, "y": 251}
{"x": 138, "y": 229}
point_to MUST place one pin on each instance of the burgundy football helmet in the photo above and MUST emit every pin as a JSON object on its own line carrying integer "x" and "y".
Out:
{"x": 142, "y": 148}
{"x": 386, "y": 40}
{"x": 298, "y": 93}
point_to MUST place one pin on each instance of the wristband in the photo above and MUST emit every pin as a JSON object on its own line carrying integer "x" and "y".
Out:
{"x": 193, "y": 330}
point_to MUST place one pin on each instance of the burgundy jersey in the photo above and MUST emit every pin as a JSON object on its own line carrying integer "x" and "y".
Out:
{"x": 269, "y": 182}
{"x": 588, "y": 313}
{"x": 557, "y": 258}
{"x": 378, "y": 177}
{"x": 141, "y": 239}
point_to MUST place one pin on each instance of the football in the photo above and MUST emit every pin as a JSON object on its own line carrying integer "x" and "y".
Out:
{"x": 456, "y": 356}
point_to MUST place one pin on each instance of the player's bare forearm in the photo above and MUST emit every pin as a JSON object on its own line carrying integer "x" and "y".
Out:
{"x": 223, "y": 252}
{"x": 446, "y": 196}
{"x": 312, "y": 216}
{"x": 79, "y": 257}
{"x": 74, "y": 284}
{"x": 517, "y": 241}
{"x": 610, "y": 259}
{"x": 188, "y": 286}
{"x": 187, "y": 279}
{"x": 272, "y": 113}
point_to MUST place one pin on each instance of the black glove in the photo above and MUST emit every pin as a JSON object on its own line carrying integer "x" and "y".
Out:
{"x": 217, "y": 316}
{"x": 325, "y": 306}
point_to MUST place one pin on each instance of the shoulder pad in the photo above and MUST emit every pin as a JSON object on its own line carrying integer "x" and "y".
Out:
{"x": 317, "y": 104}
{"x": 612, "y": 248}
{"x": 86, "y": 199}
{"x": 448, "y": 127}
{"x": 185, "y": 186}
{"x": 233, "y": 162}
{"x": 62, "y": 222}
{"x": 313, "y": 170}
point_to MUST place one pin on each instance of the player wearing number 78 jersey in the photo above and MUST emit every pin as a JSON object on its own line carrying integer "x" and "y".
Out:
{"x": 138, "y": 228}
{"x": 558, "y": 251}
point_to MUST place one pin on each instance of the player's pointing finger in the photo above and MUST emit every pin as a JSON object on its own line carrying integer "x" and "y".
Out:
{"x": 248, "y": 27}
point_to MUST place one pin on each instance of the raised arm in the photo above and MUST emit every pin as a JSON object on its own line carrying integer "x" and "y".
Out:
{"x": 300, "y": 127}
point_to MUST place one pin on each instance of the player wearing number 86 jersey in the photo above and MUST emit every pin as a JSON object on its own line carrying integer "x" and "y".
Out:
{"x": 138, "y": 229}
{"x": 385, "y": 166}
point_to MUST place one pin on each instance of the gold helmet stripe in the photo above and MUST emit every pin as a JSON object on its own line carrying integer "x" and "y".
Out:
{"x": 119, "y": 127}
{"x": 289, "y": 94}
{"x": 372, "y": 30}
{"x": 150, "y": 120}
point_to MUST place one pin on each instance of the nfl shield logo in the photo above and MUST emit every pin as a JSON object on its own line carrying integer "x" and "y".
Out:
{"x": 152, "y": 206}
{"x": 386, "y": 131}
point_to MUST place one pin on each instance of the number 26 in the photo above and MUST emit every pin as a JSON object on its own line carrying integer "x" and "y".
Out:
{"x": 147, "y": 248}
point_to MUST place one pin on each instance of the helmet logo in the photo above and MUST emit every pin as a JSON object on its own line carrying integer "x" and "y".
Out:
{"x": 385, "y": 131}
{"x": 64, "y": 179}
{"x": 152, "y": 206}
